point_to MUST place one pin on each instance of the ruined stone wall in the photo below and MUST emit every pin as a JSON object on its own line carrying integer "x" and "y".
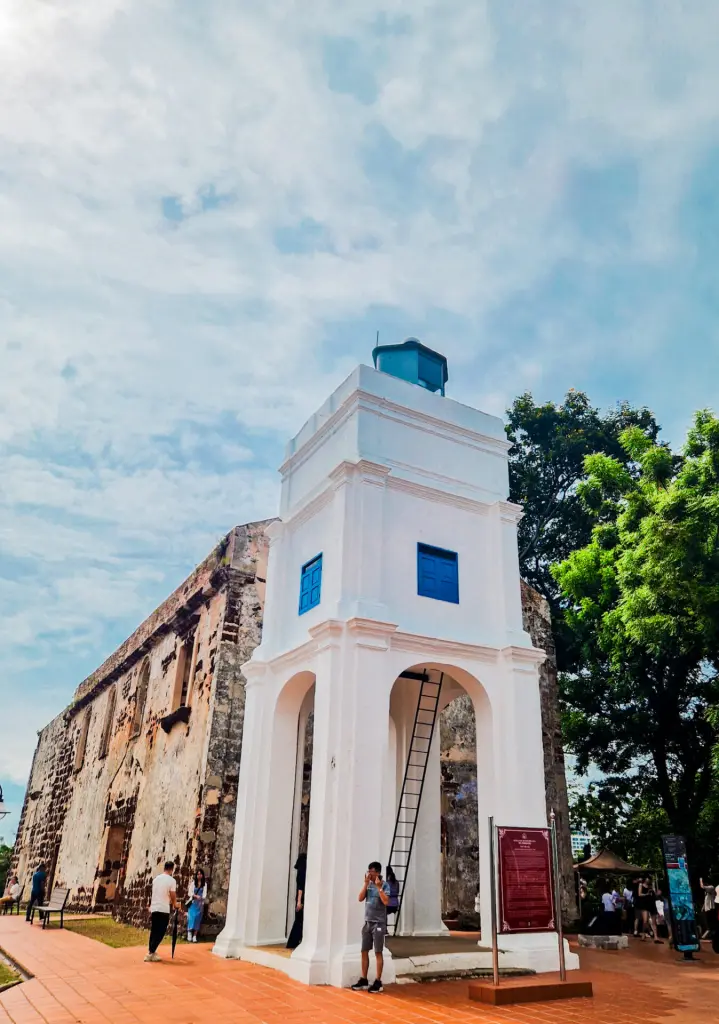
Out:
{"x": 460, "y": 822}
{"x": 538, "y": 623}
{"x": 458, "y": 758}
{"x": 169, "y": 792}
{"x": 43, "y": 814}
{"x": 241, "y": 632}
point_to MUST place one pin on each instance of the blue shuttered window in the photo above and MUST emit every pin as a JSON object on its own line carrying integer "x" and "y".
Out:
{"x": 437, "y": 574}
{"x": 310, "y": 584}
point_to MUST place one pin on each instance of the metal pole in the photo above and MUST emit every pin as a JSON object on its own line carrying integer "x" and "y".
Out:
{"x": 493, "y": 904}
{"x": 557, "y": 897}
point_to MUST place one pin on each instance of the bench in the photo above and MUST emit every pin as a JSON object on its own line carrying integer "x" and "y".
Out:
{"x": 55, "y": 905}
{"x": 15, "y": 904}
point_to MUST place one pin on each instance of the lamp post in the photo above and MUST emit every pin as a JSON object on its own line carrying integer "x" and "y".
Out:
{"x": 3, "y": 810}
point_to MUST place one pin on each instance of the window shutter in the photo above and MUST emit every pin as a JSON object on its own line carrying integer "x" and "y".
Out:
{"x": 437, "y": 574}
{"x": 310, "y": 585}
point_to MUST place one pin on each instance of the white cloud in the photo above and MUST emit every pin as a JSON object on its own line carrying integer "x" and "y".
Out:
{"x": 151, "y": 367}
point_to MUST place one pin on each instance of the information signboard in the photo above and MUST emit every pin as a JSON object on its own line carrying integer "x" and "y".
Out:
{"x": 526, "y": 899}
{"x": 684, "y": 926}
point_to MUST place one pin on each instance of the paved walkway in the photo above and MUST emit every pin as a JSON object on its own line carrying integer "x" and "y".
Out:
{"x": 80, "y": 980}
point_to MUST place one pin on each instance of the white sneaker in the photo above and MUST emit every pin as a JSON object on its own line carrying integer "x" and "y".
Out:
{"x": 194, "y": 938}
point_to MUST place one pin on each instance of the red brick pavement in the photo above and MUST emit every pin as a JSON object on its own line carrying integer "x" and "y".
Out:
{"x": 80, "y": 980}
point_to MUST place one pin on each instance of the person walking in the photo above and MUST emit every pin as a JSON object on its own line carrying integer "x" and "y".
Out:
{"x": 164, "y": 899}
{"x": 298, "y": 923}
{"x": 37, "y": 890}
{"x": 375, "y": 896}
{"x": 195, "y": 903}
{"x": 709, "y": 909}
{"x": 647, "y": 909}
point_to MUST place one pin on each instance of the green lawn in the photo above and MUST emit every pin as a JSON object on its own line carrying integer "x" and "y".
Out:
{"x": 7, "y": 975}
{"x": 112, "y": 933}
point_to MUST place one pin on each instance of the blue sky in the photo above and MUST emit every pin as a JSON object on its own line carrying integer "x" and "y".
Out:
{"x": 208, "y": 210}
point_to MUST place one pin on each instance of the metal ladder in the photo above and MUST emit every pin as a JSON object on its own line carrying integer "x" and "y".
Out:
{"x": 425, "y": 718}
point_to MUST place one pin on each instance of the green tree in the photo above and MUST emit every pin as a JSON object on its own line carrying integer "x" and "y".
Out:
{"x": 642, "y": 601}
{"x": 5, "y": 855}
{"x": 546, "y": 463}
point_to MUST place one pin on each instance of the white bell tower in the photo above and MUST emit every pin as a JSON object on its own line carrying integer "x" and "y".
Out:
{"x": 395, "y": 553}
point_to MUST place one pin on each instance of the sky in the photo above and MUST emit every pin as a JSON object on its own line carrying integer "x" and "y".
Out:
{"x": 208, "y": 211}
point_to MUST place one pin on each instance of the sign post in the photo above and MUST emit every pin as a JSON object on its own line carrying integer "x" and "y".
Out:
{"x": 684, "y": 927}
{"x": 524, "y": 901}
{"x": 493, "y": 902}
{"x": 526, "y": 897}
{"x": 557, "y": 897}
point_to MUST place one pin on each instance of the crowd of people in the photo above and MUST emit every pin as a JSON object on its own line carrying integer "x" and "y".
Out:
{"x": 641, "y": 907}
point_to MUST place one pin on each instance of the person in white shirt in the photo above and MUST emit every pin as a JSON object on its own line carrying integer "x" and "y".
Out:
{"x": 12, "y": 891}
{"x": 164, "y": 899}
{"x": 709, "y": 911}
{"x": 611, "y": 918}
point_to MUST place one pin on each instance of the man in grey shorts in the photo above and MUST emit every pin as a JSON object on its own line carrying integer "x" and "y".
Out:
{"x": 375, "y": 896}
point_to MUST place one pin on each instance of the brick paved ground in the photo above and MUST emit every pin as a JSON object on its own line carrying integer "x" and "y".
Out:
{"x": 78, "y": 979}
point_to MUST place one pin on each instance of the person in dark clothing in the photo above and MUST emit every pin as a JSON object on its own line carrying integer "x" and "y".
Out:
{"x": 393, "y": 905}
{"x": 296, "y": 933}
{"x": 37, "y": 892}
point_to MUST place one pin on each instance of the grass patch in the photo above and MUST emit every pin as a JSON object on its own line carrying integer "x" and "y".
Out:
{"x": 112, "y": 933}
{"x": 7, "y": 975}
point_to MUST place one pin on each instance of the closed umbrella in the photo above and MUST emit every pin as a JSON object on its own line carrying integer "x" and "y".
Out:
{"x": 174, "y": 932}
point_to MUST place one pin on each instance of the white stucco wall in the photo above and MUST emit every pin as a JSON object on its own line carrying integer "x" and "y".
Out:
{"x": 381, "y": 466}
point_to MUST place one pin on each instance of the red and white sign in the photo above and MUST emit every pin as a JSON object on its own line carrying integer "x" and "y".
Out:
{"x": 526, "y": 898}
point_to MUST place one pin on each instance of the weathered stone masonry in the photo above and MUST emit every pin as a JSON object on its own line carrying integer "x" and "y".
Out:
{"x": 169, "y": 792}
{"x": 159, "y": 781}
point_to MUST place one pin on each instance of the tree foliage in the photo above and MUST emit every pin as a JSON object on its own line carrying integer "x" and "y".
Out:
{"x": 641, "y": 599}
{"x": 5, "y": 856}
{"x": 546, "y": 463}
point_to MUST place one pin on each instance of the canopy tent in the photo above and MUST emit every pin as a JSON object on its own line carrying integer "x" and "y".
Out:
{"x": 608, "y": 862}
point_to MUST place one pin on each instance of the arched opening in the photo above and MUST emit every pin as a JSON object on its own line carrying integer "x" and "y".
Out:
{"x": 288, "y": 810}
{"x": 300, "y": 820}
{"x": 439, "y": 874}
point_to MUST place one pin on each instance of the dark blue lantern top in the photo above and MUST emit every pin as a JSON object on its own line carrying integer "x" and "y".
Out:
{"x": 414, "y": 362}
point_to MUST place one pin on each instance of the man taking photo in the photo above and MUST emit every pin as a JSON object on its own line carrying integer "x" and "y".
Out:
{"x": 375, "y": 895}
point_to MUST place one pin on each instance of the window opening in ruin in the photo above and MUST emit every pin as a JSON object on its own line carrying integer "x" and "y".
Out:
{"x": 184, "y": 674}
{"x": 82, "y": 741}
{"x": 109, "y": 872}
{"x": 141, "y": 699}
{"x": 107, "y": 727}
